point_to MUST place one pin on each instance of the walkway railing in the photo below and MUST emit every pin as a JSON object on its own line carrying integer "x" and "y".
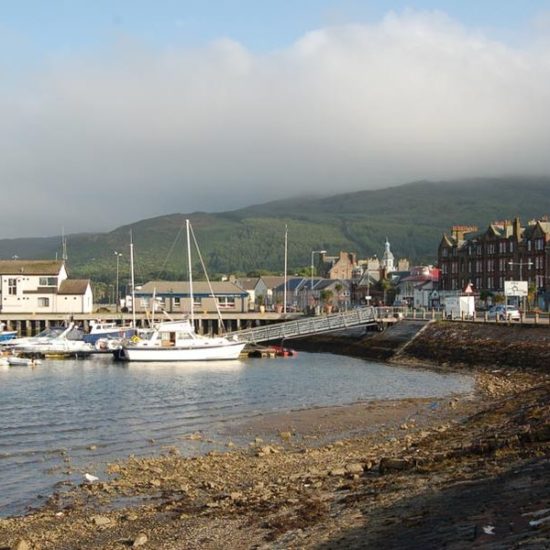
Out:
{"x": 308, "y": 326}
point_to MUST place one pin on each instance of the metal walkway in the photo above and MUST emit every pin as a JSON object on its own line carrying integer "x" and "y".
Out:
{"x": 307, "y": 326}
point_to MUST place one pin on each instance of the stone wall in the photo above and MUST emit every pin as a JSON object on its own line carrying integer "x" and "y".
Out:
{"x": 453, "y": 343}
{"x": 447, "y": 343}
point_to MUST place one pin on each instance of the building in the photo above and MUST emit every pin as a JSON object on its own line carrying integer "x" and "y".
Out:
{"x": 42, "y": 286}
{"x": 174, "y": 297}
{"x": 416, "y": 288}
{"x": 505, "y": 251}
{"x": 388, "y": 259}
{"x": 337, "y": 267}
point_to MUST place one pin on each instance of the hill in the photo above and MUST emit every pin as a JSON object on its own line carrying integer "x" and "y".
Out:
{"x": 412, "y": 216}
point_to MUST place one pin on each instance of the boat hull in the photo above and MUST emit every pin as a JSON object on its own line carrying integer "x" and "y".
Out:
{"x": 179, "y": 354}
{"x": 7, "y": 335}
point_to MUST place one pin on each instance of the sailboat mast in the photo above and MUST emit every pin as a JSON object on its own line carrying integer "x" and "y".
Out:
{"x": 286, "y": 268}
{"x": 133, "y": 281}
{"x": 191, "y": 297}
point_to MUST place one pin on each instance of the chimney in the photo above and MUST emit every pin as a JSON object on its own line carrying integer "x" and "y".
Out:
{"x": 517, "y": 229}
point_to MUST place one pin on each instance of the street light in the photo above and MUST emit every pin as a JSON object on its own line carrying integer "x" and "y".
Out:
{"x": 313, "y": 252}
{"x": 117, "y": 296}
{"x": 521, "y": 263}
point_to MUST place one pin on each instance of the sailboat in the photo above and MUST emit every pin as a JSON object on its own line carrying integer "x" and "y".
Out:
{"x": 178, "y": 341}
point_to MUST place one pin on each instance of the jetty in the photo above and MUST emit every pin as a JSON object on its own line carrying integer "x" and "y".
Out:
{"x": 309, "y": 326}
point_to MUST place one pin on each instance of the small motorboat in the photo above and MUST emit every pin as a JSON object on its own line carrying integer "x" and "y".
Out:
{"x": 16, "y": 361}
{"x": 281, "y": 351}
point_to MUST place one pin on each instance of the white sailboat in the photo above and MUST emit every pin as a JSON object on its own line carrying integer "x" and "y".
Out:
{"x": 178, "y": 341}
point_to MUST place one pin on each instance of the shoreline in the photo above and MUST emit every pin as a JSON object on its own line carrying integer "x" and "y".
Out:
{"x": 319, "y": 477}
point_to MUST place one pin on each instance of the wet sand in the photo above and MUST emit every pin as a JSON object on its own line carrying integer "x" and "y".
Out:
{"x": 463, "y": 471}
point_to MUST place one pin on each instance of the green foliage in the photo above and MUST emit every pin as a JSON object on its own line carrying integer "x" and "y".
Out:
{"x": 251, "y": 240}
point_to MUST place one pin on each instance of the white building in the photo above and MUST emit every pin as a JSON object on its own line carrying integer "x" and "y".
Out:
{"x": 42, "y": 286}
{"x": 388, "y": 258}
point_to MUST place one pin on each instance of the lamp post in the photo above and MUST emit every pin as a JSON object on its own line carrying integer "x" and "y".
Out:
{"x": 117, "y": 295}
{"x": 313, "y": 252}
{"x": 521, "y": 263}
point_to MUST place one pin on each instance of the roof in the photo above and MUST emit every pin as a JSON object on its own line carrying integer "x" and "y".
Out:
{"x": 248, "y": 283}
{"x": 272, "y": 281}
{"x": 30, "y": 267}
{"x": 292, "y": 284}
{"x": 181, "y": 288}
{"x": 74, "y": 286}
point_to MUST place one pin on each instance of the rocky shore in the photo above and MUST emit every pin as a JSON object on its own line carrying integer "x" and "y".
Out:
{"x": 466, "y": 471}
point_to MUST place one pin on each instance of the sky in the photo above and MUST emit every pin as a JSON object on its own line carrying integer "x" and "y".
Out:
{"x": 115, "y": 111}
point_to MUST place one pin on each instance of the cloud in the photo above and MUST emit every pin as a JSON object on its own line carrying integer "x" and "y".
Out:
{"x": 92, "y": 142}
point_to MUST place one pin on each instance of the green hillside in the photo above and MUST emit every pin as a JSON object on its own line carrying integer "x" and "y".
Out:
{"x": 412, "y": 216}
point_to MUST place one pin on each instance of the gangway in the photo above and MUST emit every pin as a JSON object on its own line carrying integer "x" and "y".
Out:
{"x": 308, "y": 326}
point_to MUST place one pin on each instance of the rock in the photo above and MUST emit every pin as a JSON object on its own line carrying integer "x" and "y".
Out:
{"x": 258, "y": 440}
{"x": 354, "y": 468}
{"x": 230, "y": 444}
{"x": 338, "y": 472}
{"x": 100, "y": 521}
{"x": 404, "y": 427}
{"x": 285, "y": 435}
{"x": 237, "y": 495}
{"x": 92, "y": 447}
{"x": 394, "y": 465}
{"x": 140, "y": 540}
{"x": 266, "y": 450}
{"x": 21, "y": 544}
{"x": 194, "y": 436}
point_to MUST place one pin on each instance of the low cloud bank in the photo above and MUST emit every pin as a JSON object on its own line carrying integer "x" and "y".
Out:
{"x": 90, "y": 143}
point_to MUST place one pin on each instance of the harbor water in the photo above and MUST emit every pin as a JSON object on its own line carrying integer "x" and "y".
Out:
{"x": 64, "y": 418}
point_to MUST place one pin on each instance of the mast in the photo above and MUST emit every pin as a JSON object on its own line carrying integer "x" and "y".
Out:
{"x": 133, "y": 281}
{"x": 286, "y": 269}
{"x": 191, "y": 297}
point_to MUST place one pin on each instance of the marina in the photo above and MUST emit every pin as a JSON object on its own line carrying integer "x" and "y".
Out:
{"x": 65, "y": 418}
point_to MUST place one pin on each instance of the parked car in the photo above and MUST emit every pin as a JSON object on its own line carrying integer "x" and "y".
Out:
{"x": 504, "y": 313}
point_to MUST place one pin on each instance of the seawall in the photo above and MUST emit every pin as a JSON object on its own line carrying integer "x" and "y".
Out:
{"x": 446, "y": 343}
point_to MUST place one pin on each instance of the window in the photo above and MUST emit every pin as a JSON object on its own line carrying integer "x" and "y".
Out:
{"x": 226, "y": 301}
{"x": 539, "y": 244}
{"x": 177, "y": 302}
{"x": 47, "y": 281}
{"x": 12, "y": 286}
{"x": 43, "y": 302}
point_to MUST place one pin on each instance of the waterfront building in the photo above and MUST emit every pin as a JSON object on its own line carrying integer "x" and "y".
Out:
{"x": 416, "y": 288}
{"x": 505, "y": 251}
{"x": 260, "y": 289}
{"x": 42, "y": 286}
{"x": 174, "y": 297}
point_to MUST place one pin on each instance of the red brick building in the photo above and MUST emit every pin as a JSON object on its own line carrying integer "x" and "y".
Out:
{"x": 505, "y": 251}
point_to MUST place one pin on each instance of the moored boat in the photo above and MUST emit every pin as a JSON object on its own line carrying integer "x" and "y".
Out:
{"x": 178, "y": 341}
{"x": 102, "y": 330}
{"x": 16, "y": 361}
{"x": 6, "y": 335}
